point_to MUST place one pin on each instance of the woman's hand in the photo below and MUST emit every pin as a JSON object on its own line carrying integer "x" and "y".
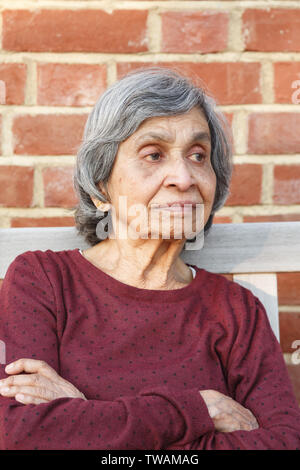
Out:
{"x": 227, "y": 414}
{"x": 40, "y": 384}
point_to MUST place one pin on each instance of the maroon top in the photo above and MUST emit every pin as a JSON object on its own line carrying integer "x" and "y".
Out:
{"x": 140, "y": 357}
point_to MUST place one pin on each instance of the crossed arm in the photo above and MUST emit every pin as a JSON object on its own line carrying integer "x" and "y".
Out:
{"x": 41, "y": 384}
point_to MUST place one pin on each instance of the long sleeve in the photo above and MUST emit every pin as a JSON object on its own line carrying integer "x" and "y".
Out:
{"x": 29, "y": 326}
{"x": 257, "y": 378}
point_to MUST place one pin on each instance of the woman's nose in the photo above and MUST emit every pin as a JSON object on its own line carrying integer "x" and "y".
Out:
{"x": 179, "y": 174}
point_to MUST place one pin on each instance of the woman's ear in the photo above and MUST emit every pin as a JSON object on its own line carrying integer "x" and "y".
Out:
{"x": 103, "y": 190}
{"x": 95, "y": 200}
{"x": 104, "y": 206}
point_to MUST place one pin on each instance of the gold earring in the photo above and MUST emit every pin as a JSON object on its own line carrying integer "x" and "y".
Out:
{"x": 103, "y": 206}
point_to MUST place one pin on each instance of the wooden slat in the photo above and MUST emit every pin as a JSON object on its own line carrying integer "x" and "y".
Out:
{"x": 228, "y": 248}
{"x": 14, "y": 241}
{"x": 249, "y": 248}
{"x": 263, "y": 286}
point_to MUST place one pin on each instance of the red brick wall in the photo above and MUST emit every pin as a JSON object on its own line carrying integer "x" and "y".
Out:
{"x": 58, "y": 56}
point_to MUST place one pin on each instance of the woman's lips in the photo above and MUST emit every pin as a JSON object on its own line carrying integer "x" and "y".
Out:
{"x": 177, "y": 206}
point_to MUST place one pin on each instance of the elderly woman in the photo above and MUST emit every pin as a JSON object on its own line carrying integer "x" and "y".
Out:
{"x": 123, "y": 345}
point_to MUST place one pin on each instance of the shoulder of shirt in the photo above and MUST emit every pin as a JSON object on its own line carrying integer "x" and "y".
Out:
{"x": 39, "y": 260}
{"x": 221, "y": 286}
{"x": 224, "y": 281}
{"x": 234, "y": 304}
{"x": 34, "y": 256}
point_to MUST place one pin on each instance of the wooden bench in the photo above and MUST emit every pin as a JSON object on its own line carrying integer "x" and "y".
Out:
{"x": 252, "y": 252}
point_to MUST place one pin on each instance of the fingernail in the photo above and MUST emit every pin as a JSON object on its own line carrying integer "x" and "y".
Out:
{"x": 9, "y": 366}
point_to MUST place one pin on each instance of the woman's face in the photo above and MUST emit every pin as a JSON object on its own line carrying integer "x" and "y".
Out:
{"x": 166, "y": 160}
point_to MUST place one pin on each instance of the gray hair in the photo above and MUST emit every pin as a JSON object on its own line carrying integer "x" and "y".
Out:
{"x": 120, "y": 110}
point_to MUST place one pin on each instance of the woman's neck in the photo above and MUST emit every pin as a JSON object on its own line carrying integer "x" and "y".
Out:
{"x": 146, "y": 264}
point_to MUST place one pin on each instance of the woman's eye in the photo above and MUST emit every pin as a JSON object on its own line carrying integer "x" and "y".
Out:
{"x": 199, "y": 156}
{"x": 154, "y": 156}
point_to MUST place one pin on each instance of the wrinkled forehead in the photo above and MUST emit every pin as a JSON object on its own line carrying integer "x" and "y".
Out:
{"x": 187, "y": 127}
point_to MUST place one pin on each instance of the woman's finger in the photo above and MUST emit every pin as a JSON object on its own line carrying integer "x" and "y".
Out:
{"x": 31, "y": 366}
{"x": 36, "y": 392}
{"x": 20, "y": 379}
{"x": 29, "y": 400}
{"x": 29, "y": 379}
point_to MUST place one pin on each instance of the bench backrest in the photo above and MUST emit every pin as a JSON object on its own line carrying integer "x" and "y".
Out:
{"x": 252, "y": 252}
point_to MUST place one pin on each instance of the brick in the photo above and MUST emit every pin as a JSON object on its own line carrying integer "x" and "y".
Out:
{"x": 58, "y": 187}
{"x": 272, "y": 218}
{"x": 274, "y": 29}
{"x": 48, "y": 134}
{"x": 70, "y": 84}
{"x": 125, "y": 67}
{"x": 42, "y": 222}
{"x": 294, "y": 374}
{"x": 228, "y": 276}
{"x": 187, "y": 32}
{"x": 221, "y": 219}
{"x": 228, "y": 82}
{"x": 274, "y": 133}
{"x": 14, "y": 77}
{"x": 16, "y": 184}
{"x": 246, "y": 184}
{"x": 75, "y": 30}
{"x": 229, "y": 117}
{"x": 286, "y": 184}
{"x": 287, "y": 74}
{"x": 289, "y": 327}
{"x": 288, "y": 288}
